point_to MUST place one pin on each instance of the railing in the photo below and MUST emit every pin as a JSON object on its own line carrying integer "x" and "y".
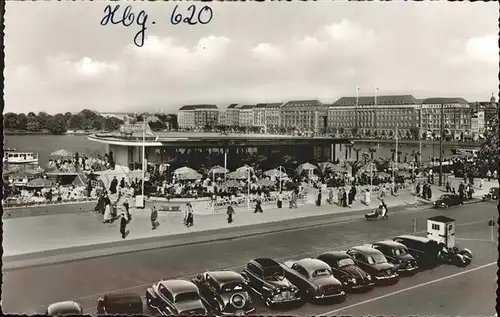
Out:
{"x": 242, "y": 201}
{"x": 15, "y": 204}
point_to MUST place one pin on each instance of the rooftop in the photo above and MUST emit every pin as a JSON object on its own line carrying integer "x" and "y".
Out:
{"x": 302, "y": 103}
{"x": 247, "y": 107}
{"x": 381, "y": 100}
{"x": 195, "y": 107}
{"x": 233, "y": 106}
{"x": 445, "y": 100}
{"x": 441, "y": 218}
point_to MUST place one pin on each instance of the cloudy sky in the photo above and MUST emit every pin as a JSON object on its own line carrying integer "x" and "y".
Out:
{"x": 59, "y": 58}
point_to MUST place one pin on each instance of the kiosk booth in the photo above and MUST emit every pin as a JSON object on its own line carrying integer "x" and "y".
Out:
{"x": 442, "y": 230}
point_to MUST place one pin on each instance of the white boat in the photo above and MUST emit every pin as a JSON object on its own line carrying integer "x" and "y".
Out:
{"x": 474, "y": 152}
{"x": 12, "y": 156}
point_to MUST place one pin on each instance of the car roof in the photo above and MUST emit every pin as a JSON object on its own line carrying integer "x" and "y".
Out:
{"x": 366, "y": 249}
{"x": 335, "y": 255}
{"x": 223, "y": 277}
{"x": 63, "y": 307}
{"x": 391, "y": 244}
{"x": 266, "y": 262}
{"x": 414, "y": 238}
{"x": 312, "y": 264}
{"x": 179, "y": 286}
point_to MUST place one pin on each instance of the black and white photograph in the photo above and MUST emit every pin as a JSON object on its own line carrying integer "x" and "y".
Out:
{"x": 250, "y": 158}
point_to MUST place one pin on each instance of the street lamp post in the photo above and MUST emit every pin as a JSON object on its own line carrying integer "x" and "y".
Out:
{"x": 279, "y": 169}
{"x": 248, "y": 190}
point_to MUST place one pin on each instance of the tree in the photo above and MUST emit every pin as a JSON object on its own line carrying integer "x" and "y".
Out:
{"x": 75, "y": 122}
{"x": 9, "y": 120}
{"x": 490, "y": 149}
{"x": 57, "y": 124}
{"x": 415, "y": 133}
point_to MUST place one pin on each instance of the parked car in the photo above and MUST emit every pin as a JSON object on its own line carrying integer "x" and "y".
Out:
{"x": 448, "y": 200}
{"x": 430, "y": 254}
{"x": 267, "y": 279}
{"x": 492, "y": 194}
{"x": 397, "y": 254}
{"x": 314, "y": 278}
{"x": 64, "y": 308}
{"x": 120, "y": 304}
{"x": 375, "y": 263}
{"x": 175, "y": 298}
{"x": 224, "y": 293}
{"x": 345, "y": 270}
{"x": 425, "y": 251}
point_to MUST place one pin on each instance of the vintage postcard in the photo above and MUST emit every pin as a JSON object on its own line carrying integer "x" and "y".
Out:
{"x": 243, "y": 158}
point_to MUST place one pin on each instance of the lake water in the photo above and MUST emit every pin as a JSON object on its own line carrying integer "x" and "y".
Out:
{"x": 46, "y": 144}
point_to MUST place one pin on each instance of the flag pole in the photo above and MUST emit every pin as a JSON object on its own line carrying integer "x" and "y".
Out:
{"x": 143, "y": 155}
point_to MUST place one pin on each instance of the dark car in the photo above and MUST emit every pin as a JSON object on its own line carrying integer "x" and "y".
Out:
{"x": 64, "y": 308}
{"x": 397, "y": 254}
{"x": 492, "y": 194}
{"x": 448, "y": 200}
{"x": 314, "y": 278}
{"x": 267, "y": 278}
{"x": 345, "y": 270}
{"x": 373, "y": 262}
{"x": 425, "y": 251}
{"x": 120, "y": 304}
{"x": 224, "y": 293}
{"x": 175, "y": 298}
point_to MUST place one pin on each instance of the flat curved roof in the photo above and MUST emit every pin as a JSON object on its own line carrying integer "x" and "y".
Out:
{"x": 161, "y": 138}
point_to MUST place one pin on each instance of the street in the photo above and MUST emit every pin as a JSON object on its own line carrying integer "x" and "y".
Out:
{"x": 28, "y": 290}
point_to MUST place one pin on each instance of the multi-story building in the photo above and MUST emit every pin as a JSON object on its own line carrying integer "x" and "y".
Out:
{"x": 185, "y": 117}
{"x": 206, "y": 115}
{"x": 304, "y": 116}
{"x": 230, "y": 116}
{"x": 267, "y": 115}
{"x": 372, "y": 115}
{"x": 246, "y": 116}
{"x": 477, "y": 124}
{"x": 457, "y": 117}
{"x": 197, "y": 116}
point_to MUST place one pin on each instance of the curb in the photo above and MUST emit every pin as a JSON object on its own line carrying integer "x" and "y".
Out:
{"x": 186, "y": 239}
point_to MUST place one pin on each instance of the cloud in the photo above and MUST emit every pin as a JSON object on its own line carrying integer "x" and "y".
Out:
{"x": 476, "y": 51}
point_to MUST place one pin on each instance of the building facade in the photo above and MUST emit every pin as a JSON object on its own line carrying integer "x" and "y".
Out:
{"x": 374, "y": 116}
{"x": 230, "y": 116}
{"x": 304, "y": 116}
{"x": 246, "y": 116}
{"x": 477, "y": 124}
{"x": 185, "y": 117}
{"x": 197, "y": 116}
{"x": 457, "y": 117}
{"x": 267, "y": 115}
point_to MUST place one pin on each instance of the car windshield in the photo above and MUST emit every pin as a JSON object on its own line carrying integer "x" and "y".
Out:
{"x": 444, "y": 196}
{"x": 345, "y": 262}
{"x": 401, "y": 251}
{"x": 376, "y": 259}
{"x": 274, "y": 273}
{"x": 187, "y": 297}
{"x": 321, "y": 273}
{"x": 232, "y": 287}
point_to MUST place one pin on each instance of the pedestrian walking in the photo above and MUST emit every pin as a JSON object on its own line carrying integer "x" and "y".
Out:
{"x": 230, "y": 213}
{"x": 481, "y": 183}
{"x": 344, "y": 198}
{"x": 448, "y": 186}
{"x": 123, "y": 226}
{"x": 189, "y": 218}
{"x": 319, "y": 198}
{"x": 279, "y": 202}
{"x": 154, "y": 218}
{"x": 330, "y": 196}
{"x": 108, "y": 216}
{"x": 258, "y": 206}
{"x": 488, "y": 175}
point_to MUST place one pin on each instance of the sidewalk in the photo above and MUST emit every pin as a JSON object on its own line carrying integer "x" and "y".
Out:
{"x": 37, "y": 234}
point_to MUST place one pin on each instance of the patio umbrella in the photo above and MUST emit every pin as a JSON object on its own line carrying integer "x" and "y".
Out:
{"x": 245, "y": 168}
{"x": 237, "y": 175}
{"x": 189, "y": 175}
{"x": 368, "y": 167}
{"x": 275, "y": 173}
{"x": 231, "y": 184}
{"x": 39, "y": 183}
{"x": 404, "y": 174}
{"x": 218, "y": 170}
{"x": 265, "y": 182}
{"x": 62, "y": 153}
{"x": 307, "y": 167}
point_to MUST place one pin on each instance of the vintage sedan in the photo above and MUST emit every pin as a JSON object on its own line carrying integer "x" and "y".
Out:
{"x": 267, "y": 279}
{"x": 315, "y": 279}
{"x": 374, "y": 262}
{"x": 397, "y": 254}
{"x": 175, "y": 298}
{"x": 120, "y": 304}
{"x": 224, "y": 293}
{"x": 492, "y": 194}
{"x": 64, "y": 308}
{"x": 448, "y": 200}
{"x": 345, "y": 270}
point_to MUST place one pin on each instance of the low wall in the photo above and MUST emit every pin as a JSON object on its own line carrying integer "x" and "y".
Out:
{"x": 42, "y": 210}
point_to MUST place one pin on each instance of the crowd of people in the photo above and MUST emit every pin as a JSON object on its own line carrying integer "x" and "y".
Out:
{"x": 77, "y": 162}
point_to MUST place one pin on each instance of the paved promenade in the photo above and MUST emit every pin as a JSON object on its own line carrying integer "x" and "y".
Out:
{"x": 37, "y": 234}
